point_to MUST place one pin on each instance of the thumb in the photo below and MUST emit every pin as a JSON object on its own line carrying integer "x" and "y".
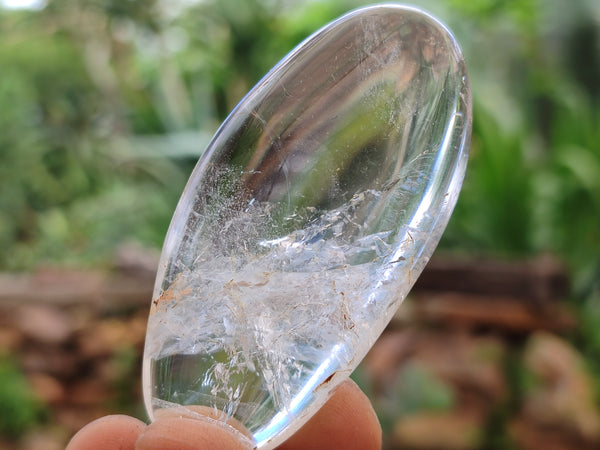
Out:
{"x": 184, "y": 433}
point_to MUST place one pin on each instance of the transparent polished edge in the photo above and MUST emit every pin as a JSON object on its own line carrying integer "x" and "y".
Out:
{"x": 306, "y": 222}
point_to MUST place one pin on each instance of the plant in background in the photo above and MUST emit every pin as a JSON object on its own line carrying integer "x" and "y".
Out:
{"x": 568, "y": 193}
{"x": 413, "y": 390}
{"x": 125, "y": 365}
{"x": 494, "y": 212}
{"x": 19, "y": 410}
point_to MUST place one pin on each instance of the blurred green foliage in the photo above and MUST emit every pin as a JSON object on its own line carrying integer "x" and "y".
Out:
{"x": 125, "y": 364}
{"x": 414, "y": 390}
{"x": 106, "y": 106}
{"x": 19, "y": 410}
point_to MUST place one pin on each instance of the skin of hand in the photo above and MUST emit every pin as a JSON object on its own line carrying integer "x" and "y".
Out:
{"x": 347, "y": 421}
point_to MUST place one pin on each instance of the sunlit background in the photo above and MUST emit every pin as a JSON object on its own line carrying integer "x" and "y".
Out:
{"x": 23, "y": 4}
{"x": 106, "y": 105}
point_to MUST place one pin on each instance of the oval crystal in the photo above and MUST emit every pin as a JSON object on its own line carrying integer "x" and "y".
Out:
{"x": 306, "y": 222}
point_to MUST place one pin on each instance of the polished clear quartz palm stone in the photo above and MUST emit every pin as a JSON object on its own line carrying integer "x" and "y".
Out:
{"x": 306, "y": 222}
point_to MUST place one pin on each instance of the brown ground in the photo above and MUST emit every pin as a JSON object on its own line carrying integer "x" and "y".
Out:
{"x": 458, "y": 367}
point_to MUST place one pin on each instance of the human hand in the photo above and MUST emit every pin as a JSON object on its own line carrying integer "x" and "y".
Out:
{"x": 346, "y": 421}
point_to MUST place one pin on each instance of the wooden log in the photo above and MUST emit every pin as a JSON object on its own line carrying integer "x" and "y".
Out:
{"x": 107, "y": 291}
{"x": 508, "y": 314}
{"x": 537, "y": 281}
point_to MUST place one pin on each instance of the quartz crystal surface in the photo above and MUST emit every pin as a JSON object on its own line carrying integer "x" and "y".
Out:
{"x": 306, "y": 222}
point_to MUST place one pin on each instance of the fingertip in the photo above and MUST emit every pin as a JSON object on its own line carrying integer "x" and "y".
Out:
{"x": 364, "y": 406}
{"x": 183, "y": 433}
{"x": 116, "y": 431}
{"x": 346, "y": 421}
